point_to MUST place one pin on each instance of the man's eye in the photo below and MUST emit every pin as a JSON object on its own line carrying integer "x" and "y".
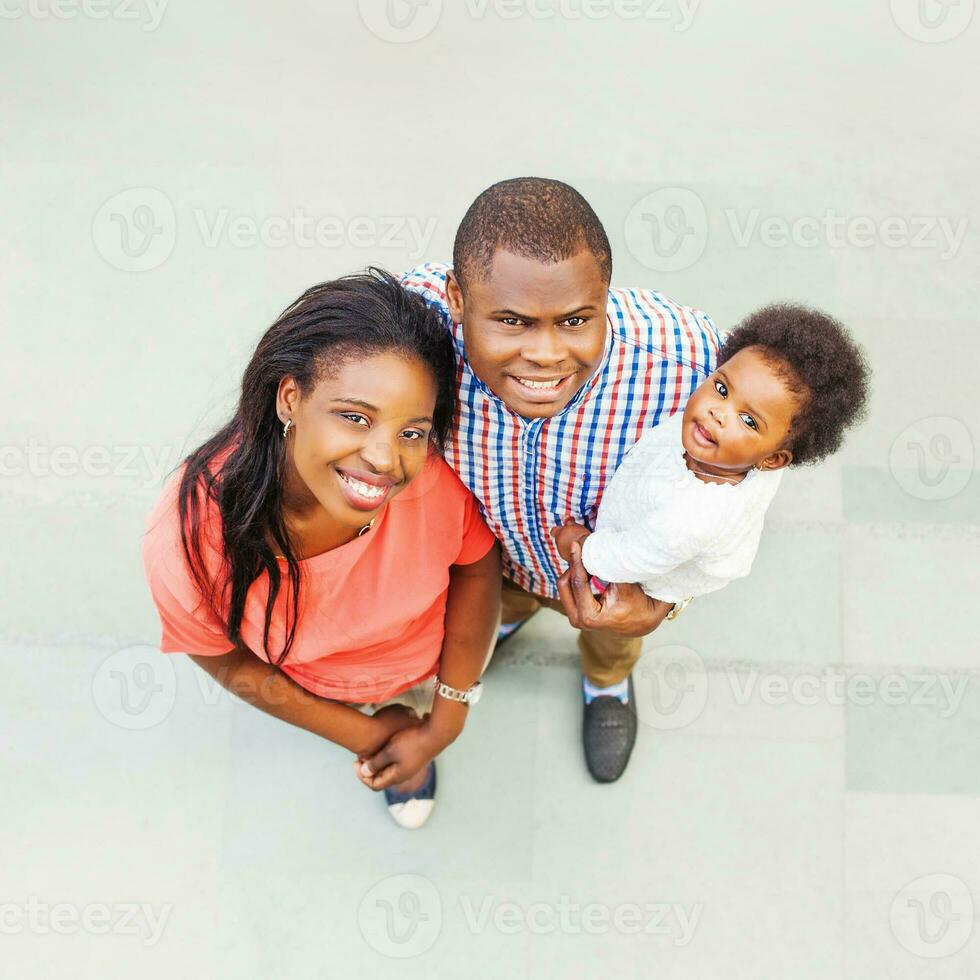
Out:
{"x": 575, "y": 321}
{"x": 721, "y": 389}
{"x": 511, "y": 321}
{"x": 749, "y": 421}
{"x": 355, "y": 418}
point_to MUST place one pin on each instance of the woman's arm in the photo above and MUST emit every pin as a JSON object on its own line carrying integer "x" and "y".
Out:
{"x": 472, "y": 611}
{"x": 270, "y": 690}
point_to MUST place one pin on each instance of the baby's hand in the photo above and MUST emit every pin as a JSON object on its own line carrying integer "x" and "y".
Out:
{"x": 567, "y": 535}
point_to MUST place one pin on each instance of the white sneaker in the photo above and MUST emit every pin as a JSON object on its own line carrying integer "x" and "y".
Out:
{"x": 412, "y": 810}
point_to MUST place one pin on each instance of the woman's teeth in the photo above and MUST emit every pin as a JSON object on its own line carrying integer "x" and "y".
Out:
{"x": 364, "y": 489}
{"x": 541, "y": 384}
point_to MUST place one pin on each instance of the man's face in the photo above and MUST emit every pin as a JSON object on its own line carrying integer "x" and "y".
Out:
{"x": 534, "y": 332}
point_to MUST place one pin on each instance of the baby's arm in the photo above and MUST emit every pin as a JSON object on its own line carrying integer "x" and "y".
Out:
{"x": 632, "y": 556}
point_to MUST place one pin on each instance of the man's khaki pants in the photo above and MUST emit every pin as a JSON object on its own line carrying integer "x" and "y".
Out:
{"x": 606, "y": 659}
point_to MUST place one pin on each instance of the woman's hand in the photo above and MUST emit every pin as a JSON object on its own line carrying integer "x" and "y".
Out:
{"x": 568, "y": 534}
{"x": 406, "y": 753}
{"x": 384, "y": 724}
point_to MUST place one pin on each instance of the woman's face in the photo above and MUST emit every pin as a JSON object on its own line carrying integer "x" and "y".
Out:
{"x": 359, "y": 437}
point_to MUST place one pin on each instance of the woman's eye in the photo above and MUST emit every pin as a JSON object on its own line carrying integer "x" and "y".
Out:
{"x": 413, "y": 435}
{"x": 749, "y": 421}
{"x": 721, "y": 389}
{"x": 355, "y": 418}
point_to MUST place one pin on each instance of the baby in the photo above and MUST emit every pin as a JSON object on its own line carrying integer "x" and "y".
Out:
{"x": 683, "y": 514}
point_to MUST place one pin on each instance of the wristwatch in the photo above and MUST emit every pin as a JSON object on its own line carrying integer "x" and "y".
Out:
{"x": 453, "y": 694}
{"x": 679, "y": 607}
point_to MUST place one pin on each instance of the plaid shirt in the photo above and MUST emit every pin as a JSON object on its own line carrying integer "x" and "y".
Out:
{"x": 529, "y": 474}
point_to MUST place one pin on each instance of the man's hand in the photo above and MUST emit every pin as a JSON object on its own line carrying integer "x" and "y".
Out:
{"x": 568, "y": 534}
{"x": 405, "y": 754}
{"x": 625, "y": 610}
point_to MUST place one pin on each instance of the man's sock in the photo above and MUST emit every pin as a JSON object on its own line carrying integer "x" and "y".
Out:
{"x": 620, "y": 690}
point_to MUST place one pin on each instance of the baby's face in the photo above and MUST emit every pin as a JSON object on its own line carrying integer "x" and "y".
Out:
{"x": 740, "y": 415}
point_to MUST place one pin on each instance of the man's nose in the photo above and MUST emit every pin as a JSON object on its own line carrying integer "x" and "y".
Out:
{"x": 544, "y": 347}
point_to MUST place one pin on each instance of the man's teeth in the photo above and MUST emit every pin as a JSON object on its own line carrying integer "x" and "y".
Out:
{"x": 364, "y": 489}
{"x": 541, "y": 384}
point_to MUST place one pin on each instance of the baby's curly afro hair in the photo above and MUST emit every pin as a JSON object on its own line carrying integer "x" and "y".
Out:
{"x": 820, "y": 363}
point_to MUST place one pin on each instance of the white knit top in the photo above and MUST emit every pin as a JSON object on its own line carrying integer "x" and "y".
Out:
{"x": 675, "y": 535}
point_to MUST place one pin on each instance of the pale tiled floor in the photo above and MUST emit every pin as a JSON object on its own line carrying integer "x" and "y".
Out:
{"x": 773, "y": 821}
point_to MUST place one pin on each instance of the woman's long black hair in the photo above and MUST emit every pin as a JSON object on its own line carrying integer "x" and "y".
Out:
{"x": 357, "y": 315}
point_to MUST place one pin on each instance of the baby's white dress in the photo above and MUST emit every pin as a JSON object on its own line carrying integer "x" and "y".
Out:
{"x": 675, "y": 535}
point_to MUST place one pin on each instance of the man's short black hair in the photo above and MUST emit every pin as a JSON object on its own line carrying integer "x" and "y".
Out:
{"x": 532, "y": 217}
{"x": 821, "y": 364}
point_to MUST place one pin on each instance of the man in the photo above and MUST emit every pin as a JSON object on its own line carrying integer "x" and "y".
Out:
{"x": 558, "y": 377}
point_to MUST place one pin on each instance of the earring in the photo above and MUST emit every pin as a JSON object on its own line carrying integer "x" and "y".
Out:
{"x": 287, "y": 427}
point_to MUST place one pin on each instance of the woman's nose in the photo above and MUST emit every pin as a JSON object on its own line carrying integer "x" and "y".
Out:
{"x": 380, "y": 454}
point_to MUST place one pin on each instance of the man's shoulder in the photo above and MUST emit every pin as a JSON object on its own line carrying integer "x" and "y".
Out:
{"x": 652, "y": 322}
{"x": 429, "y": 279}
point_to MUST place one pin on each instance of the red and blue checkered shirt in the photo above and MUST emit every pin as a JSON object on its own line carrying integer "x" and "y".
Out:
{"x": 530, "y": 474}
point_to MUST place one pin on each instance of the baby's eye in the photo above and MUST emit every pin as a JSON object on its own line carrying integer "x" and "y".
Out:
{"x": 355, "y": 418}
{"x": 721, "y": 388}
{"x": 749, "y": 421}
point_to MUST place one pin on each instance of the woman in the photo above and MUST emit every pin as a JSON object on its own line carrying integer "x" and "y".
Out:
{"x": 319, "y": 558}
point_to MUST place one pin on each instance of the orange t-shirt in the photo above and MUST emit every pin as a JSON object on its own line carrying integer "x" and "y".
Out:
{"x": 371, "y": 616}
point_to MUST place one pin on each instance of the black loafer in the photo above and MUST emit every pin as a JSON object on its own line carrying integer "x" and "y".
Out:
{"x": 608, "y": 735}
